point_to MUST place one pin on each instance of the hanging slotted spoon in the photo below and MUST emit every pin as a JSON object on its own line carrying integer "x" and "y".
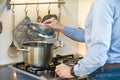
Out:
{"x": 12, "y": 50}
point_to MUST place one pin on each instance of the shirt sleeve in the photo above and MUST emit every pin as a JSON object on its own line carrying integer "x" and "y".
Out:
{"x": 76, "y": 34}
{"x": 99, "y": 40}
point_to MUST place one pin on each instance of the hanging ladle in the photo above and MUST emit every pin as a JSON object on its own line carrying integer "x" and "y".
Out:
{"x": 12, "y": 50}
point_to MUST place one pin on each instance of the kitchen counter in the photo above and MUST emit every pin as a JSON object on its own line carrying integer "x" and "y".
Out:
{"x": 10, "y": 74}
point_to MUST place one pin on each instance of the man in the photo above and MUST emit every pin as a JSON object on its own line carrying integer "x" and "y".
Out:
{"x": 102, "y": 37}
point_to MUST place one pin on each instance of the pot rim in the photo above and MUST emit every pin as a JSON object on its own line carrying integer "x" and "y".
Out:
{"x": 36, "y": 43}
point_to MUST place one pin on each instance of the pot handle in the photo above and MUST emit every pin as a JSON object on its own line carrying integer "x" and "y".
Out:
{"x": 25, "y": 50}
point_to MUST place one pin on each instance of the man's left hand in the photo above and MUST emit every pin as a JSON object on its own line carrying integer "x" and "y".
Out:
{"x": 63, "y": 71}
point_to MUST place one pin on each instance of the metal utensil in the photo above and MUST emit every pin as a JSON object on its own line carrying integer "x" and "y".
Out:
{"x": 41, "y": 29}
{"x": 12, "y": 50}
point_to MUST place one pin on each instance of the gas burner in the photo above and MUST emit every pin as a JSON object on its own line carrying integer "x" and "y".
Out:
{"x": 38, "y": 68}
{"x": 60, "y": 58}
{"x": 71, "y": 61}
{"x": 34, "y": 68}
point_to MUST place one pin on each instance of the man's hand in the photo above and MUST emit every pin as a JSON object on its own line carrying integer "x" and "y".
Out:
{"x": 54, "y": 24}
{"x": 63, "y": 71}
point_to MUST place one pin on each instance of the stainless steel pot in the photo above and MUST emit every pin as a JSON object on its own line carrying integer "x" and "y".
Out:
{"x": 37, "y": 53}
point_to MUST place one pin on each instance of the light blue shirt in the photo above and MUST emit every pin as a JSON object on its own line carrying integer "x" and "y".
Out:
{"x": 101, "y": 34}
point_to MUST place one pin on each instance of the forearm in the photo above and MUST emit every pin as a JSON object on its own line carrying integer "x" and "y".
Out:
{"x": 76, "y": 34}
{"x": 95, "y": 57}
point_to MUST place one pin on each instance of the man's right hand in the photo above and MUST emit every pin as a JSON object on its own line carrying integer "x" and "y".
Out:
{"x": 54, "y": 24}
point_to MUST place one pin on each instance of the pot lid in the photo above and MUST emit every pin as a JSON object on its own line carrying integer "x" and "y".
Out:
{"x": 41, "y": 29}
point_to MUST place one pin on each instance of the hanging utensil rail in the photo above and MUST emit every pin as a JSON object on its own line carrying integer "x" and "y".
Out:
{"x": 9, "y": 3}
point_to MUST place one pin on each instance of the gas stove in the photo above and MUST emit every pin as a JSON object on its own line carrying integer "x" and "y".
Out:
{"x": 47, "y": 72}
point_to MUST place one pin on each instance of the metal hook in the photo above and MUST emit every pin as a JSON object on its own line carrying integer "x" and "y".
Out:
{"x": 13, "y": 9}
{"x": 26, "y": 11}
{"x": 37, "y": 10}
{"x": 49, "y": 8}
{"x": 37, "y": 7}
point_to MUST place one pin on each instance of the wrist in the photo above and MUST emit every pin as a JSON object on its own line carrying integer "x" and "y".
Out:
{"x": 61, "y": 29}
{"x": 72, "y": 72}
